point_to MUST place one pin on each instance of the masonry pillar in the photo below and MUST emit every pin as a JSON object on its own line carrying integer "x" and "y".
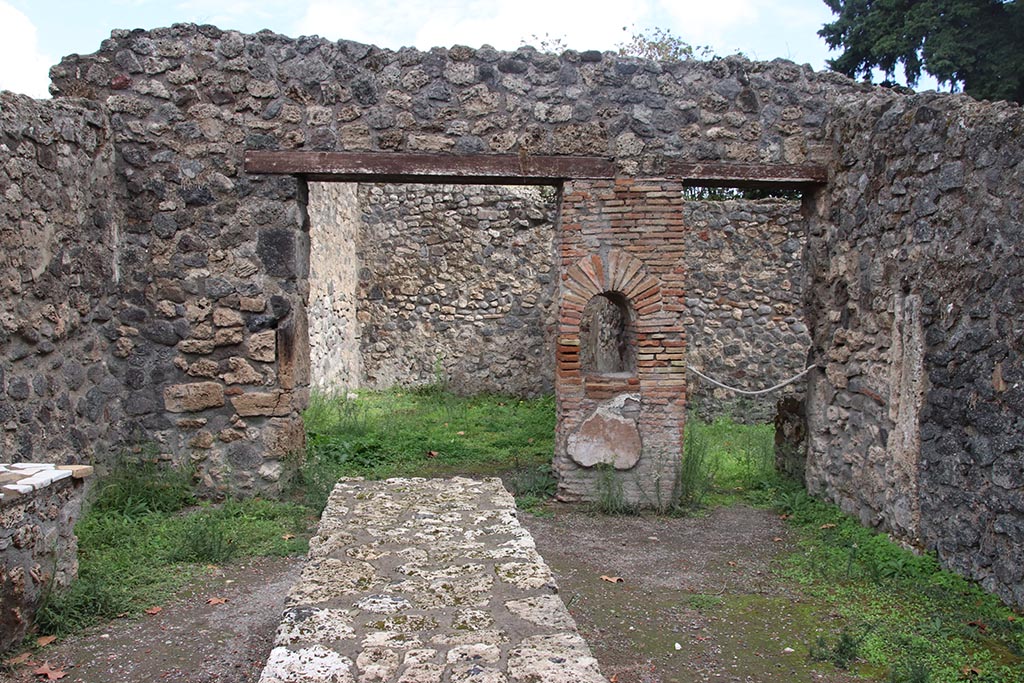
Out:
{"x": 621, "y": 427}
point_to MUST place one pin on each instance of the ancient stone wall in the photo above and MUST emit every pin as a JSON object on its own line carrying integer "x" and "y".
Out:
{"x": 917, "y": 422}
{"x": 60, "y": 216}
{"x": 219, "y": 259}
{"x": 39, "y": 506}
{"x": 334, "y": 229}
{"x": 456, "y": 285}
{"x": 744, "y": 303}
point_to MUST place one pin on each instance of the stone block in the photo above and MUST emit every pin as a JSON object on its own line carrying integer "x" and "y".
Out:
{"x": 204, "y": 367}
{"x": 45, "y": 478}
{"x": 228, "y": 336}
{"x": 283, "y": 437}
{"x": 254, "y": 304}
{"x": 190, "y": 398}
{"x": 240, "y": 372}
{"x": 263, "y": 403}
{"x": 78, "y": 471}
{"x": 15, "y": 490}
{"x": 226, "y": 317}
{"x": 197, "y": 346}
{"x": 263, "y": 346}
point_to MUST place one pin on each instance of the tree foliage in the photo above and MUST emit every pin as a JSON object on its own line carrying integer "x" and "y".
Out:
{"x": 973, "y": 45}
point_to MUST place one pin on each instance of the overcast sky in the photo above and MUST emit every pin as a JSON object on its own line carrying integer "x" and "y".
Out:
{"x": 34, "y": 34}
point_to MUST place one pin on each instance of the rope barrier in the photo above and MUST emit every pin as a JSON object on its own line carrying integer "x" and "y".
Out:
{"x": 752, "y": 393}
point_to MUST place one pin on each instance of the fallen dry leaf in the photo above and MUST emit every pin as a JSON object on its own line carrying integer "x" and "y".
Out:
{"x": 154, "y": 610}
{"x": 50, "y": 673}
{"x": 612, "y": 579}
{"x": 827, "y": 526}
{"x": 777, "y": 539}
{"x": 20, "y": 659}
{"x": 43, "y": 641}
{"x": 432, "y": 454}
{"x": 287, "y": 537}
{"x": 461, "y": 433}
{"x": 217, "y": 601}
{"x": 731, "y": 563}
{"x": 970, "y": 671}
{"x": 978, "y": 624}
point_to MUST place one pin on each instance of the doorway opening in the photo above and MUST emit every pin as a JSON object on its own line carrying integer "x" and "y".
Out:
{"x": 414, "y": 284}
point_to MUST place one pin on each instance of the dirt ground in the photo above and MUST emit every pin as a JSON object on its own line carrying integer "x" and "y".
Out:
{"x": 189, "y": 640}
{"x": 697, "y": 602}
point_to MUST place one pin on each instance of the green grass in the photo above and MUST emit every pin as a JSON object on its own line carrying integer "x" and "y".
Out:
{"x": 723, "y": 462}
{"x": 895, "y": 615}
{"x": 899, "y": 611}
{"x": 426, "y": 432}
{"x": 141, "y": 538}
{"x": 901, "y": 618}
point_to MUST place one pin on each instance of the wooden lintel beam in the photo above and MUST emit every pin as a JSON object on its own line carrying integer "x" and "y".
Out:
{"x": 748, "y": 175}
{"x": 492, "y": 169}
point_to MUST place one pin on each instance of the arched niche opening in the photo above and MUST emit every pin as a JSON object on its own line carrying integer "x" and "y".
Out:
{"x": 608, "y": 336}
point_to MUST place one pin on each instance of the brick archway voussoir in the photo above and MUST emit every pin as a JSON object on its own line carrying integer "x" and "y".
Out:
{"x": 614, "y": 271}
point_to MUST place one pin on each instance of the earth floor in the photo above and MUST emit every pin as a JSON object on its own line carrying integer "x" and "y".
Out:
{"x": 697, "y": 601}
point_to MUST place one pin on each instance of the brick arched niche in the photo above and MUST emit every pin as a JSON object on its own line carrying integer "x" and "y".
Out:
{"x": 620, "y": 378}
{"x": 608, "y": 336}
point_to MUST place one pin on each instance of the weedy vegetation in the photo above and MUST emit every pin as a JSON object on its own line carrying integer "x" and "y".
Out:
{"x": 893, "y": 615}
{"x": 897, "y": 615}
{"x": 144, "y": 535}
{"x": 428, "y": 431}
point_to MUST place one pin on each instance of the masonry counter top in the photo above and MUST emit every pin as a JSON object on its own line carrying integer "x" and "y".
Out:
{"x": 424, "y": 580}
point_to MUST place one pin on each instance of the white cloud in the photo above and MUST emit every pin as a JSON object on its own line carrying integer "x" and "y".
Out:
{"x": 710, "y": 23}
{"x": 581, "y": 24}
{"x": 244, "y": 15}
{"x": 349, "y": 20}
{"x": 505, "y": 24}
{"x": 23, "y": 68}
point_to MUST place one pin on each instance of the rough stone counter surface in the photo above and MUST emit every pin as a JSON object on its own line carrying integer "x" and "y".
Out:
{"x": 422, "y": 581}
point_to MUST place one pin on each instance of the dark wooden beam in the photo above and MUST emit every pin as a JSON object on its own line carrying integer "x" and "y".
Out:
{"x": 493, "y": 169}
{"x": 748, "y": 175}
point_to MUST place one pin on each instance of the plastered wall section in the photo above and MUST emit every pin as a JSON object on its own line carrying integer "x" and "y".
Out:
{"x": 916, "y": 424}
{"x": 334, "y": 233}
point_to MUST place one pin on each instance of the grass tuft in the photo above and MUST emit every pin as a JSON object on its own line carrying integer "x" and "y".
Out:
{"x": 426, "y": 432}
{"x": 140, "y": 487}
{"x": 137, "y": 545}
{"x": 611, "y": 499}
